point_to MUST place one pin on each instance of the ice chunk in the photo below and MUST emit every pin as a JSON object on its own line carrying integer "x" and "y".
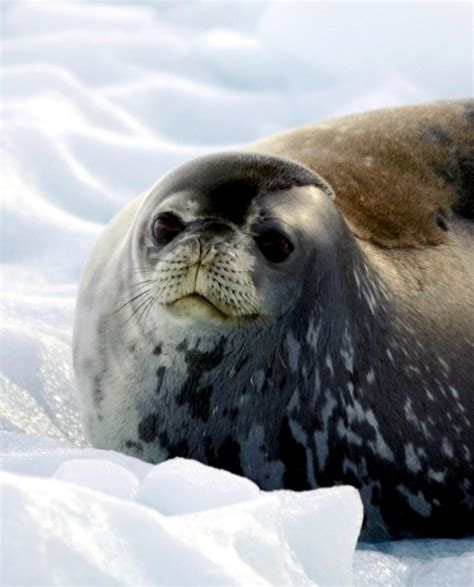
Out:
{"x": 33, "y": 460}
{"x": 70, "y": 535}
{"x": 99, "y": 475}
{"x": 182, "y": 486}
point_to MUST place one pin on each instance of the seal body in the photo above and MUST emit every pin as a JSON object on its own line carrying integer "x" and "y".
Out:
{"x": 300, "y": 313}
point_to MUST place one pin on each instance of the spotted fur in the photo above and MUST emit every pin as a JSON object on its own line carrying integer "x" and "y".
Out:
{"x": 352, "y": 363}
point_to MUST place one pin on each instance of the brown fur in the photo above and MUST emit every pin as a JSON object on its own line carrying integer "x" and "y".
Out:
{"x": 397, "y": 173}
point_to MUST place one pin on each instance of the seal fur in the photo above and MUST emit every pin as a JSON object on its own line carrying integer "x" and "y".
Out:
{"x": 351, "y": 362}
{"x": 399, "y": 173}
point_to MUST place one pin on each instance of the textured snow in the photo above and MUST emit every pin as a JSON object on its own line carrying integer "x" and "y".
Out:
{"x": 98, "y": 101}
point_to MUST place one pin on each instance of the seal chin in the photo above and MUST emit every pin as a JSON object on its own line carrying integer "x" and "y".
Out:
{"x": 197, "y": 308}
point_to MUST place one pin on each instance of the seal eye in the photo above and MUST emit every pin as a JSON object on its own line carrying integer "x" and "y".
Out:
{"x": 274, "y": 246}
{"x": 166, "y": 227}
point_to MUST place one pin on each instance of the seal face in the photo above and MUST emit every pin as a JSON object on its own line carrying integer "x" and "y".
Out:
{"x": 239, "y": 315}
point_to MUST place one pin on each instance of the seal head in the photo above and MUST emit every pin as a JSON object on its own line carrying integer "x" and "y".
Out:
{"x": 219, "y": 240}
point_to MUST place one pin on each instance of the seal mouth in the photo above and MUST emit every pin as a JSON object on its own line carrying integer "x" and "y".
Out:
{"x": 196, "y": 306}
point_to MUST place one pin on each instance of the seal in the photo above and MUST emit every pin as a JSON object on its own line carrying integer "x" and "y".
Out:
{"x": 300, "y": 313}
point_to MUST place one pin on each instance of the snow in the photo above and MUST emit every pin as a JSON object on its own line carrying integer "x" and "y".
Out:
{"x": 98, "y": 101}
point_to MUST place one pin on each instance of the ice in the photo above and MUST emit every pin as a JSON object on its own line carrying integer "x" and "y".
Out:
{"x": 98, "y": 101}
{"x": 31, "y": 455}
{"x": 70, "y": 534}
{"x": 99, "y": 475}
{"x": 183, "y": 486}
{"x": 426, "y": 563}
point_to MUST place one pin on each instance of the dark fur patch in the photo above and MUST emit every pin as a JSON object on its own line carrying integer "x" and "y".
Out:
{"x": 205, "y": 362}
{"x": 293, "y": 456}
{"x": 226, "y": 456}
{"x": 192, "y": 392}
{"x": 465, "y": 204}
{"x": 375, "y": 498}
{"x": 457, "y": 171}
{"x": 232, "y": 413}
{"x": 148, "y": 428}
{"x": 180, "y": 448}
{"x": 198, "y": 399}
{"x": 354, "y": 378}
{"x": 134, "y": 445}
{"x": 98, "y": 393}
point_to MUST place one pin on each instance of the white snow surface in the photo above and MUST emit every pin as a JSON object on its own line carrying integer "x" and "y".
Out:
{"x": 98, "y": 101}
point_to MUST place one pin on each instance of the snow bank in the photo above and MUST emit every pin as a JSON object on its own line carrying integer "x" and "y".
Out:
{"x": 98, "y": 101}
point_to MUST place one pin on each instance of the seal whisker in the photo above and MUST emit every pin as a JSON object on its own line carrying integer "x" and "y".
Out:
{"x": 127, "y": 303}
{"x": 140, "y": 283}
{"x": 139, "y": 307}
{"x": 147, "y": 310}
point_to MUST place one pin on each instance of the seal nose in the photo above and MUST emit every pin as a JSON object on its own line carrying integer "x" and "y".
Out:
{"x": 207, "y": 254}
{"x": 207, "y": 234}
